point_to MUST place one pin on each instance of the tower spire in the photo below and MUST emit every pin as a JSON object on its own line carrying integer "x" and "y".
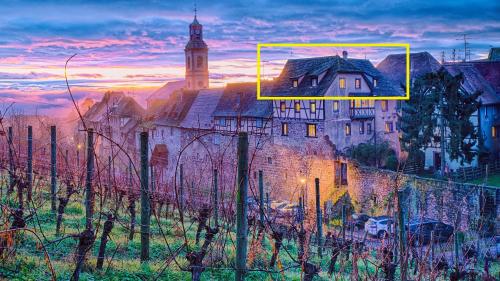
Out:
{"x": 195, "y": 10}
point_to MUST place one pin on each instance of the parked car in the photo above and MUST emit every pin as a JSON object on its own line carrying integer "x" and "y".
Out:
{"x": 358, "y": 221}
{"x": 379, "y": 226}
{"x": 419, "y": 231}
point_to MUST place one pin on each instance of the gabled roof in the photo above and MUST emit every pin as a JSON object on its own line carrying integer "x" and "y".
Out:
{"x": 394, "y": 66}
{"x": 490, "y": 70}
{"x": 474, "y": 81}
{"x": 240, "y": 99}
{"x": 175, "y": 109}
{"x": 166, "y": 90}
{"x": 117, "y": 104}
{"x": 200, "y": 114}
{"x": 326, "y": 67}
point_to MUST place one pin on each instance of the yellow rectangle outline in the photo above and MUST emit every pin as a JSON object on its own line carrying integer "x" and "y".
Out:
{"x": 388, "y": 45}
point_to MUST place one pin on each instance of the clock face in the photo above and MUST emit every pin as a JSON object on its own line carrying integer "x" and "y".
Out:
{"x": 197, "y": 31}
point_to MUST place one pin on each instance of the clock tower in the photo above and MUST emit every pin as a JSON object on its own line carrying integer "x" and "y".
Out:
{"x": 196, "y": 52}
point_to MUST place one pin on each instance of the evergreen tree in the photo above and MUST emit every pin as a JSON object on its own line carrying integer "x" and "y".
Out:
{"x": 440, "y": 95}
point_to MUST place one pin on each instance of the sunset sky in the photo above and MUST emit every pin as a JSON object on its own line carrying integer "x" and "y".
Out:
{"x": 137, "y": 46}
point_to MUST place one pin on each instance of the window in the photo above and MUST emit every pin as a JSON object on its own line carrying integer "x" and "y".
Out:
{"x": 188, "y": 63}
{"x": 342, "y": 83}
{"x": 389, "y": 128}
{"x": 494, "y": 132}
{"x": 335, "y": 106}
{"x": 259, "y": 123}
{"x": 343, "y": 173}
{"x": 269, "y": 160}
{"x": 314, "y": 81}
{"x": 375, "y": 83}
{"x": 313, "y": 107}
{"x": 284, "y": 129}
{"x": 295, "y": 83}
{"x": 282, "y": 106}
{"x": 297, "y": 106}
{"x": 369, "y": 128}
{"x": 357, "y": 83}
{"x": 222, "y": 122}
{"x": 347, "y": 129}
{"x": 384, "y": 105}
{"x": 311, "y": 130}
{"x": 362, "y": 127}
{"x": 199, "y": 61}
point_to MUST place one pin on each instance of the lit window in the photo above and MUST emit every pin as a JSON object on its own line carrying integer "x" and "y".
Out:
{"x": 384, "y": 105}
{"x": 369, "y": 128}
{"x": 335, "y": 106}
{"x": 347, "y": 129}
{"x": 282, "y": 106}
{"x": 389, "y": 127}
{"x": 494, "y": 132}
{"x": 259, "y": 123}
{"x": 295, "y": 83}
{"x": 297, "y": 106}
{"x": 222, "y": 122}
{"x": 311, "y": 130}
{"x": 313, "y": 107}
{"x": 314, "y": 81}
{"x": 357, "y": 83}
{"x": 284, "y": 129}
{"x": 374, "y": 82}
{"x": 342, "y": 83}
{"x": 362, "y": 127}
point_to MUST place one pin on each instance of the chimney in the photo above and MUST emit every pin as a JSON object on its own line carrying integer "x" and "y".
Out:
{"x": 344, "y": 54}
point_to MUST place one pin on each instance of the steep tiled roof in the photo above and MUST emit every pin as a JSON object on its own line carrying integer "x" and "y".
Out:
{"x": 240, "y": 99}
{"x": 166, "y": 90}
{"x": 200, "y": 113}
{"x": 491, "y": 72}
{"x": 327, "y": 67}
{"x": 118, "y": 105}
{"x": 394, "y": 66}
{"x": 175, "y": 109}
{"x": 474, "y": 81}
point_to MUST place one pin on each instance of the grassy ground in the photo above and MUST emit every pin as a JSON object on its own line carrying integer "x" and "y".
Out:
{"x": 493, "y": 180}
{"x": 28, "y": 262}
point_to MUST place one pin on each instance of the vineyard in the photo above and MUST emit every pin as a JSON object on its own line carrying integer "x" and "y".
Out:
{"x": 70, "y": 214}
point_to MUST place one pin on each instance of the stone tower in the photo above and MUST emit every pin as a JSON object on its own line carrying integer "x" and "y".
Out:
{"x": 196, "y": 58}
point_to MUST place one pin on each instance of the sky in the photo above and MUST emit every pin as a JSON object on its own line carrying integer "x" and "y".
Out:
{"x": 137, "y": 46}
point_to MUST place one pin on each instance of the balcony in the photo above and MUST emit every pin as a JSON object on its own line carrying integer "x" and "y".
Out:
{"x": 362, "y": 112}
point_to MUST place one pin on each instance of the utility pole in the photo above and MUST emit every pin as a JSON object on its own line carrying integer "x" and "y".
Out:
{"x": 241, "y": 207}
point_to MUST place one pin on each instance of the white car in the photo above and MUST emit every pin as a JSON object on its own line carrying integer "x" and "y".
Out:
{"x": 379, "y": 226}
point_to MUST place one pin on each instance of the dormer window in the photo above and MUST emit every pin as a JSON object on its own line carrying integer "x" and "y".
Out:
{"x": 342, "y": 83}
{"x": 374, "y": 82}
{"x": 295, "y": 83}
{"x": 314, "y": 81}
{"x": 357, "y": 83}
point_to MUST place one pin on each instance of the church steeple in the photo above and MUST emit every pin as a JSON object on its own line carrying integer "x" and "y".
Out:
{"x": 196, "y": 52}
